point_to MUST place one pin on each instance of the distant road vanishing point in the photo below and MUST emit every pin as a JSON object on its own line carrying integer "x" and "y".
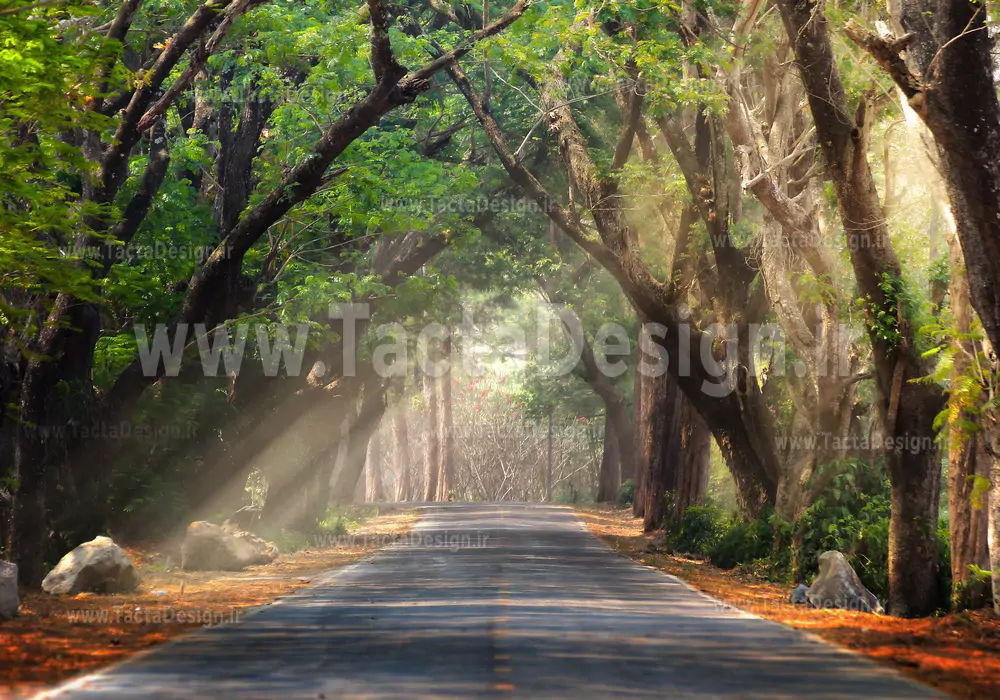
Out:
{"x": 496, "y": 600}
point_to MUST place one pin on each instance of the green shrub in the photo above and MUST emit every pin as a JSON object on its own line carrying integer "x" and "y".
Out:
{"x": 335, "y": 523}
{"x": 627, "y": 493}
{"x": 699, "y": 530}
{"x": 974, "y": 591}
{"x": 762, "y": 568}
{"x": 742, "y": 542}
{"x": 850, "y": 516}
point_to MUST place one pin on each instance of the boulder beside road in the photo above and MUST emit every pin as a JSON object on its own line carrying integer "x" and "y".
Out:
{"x": 98, "y": 566}
{"x": 209, "y": 547}
{"x": 838, "y": 586}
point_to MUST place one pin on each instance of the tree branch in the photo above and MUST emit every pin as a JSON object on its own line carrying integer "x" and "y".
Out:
{"x": 113, "y": 167}
{"x": 887, "y": 55}
{"x": 632, "y": 116}
{"x": 524, "y": 179}
{"x": 197, "y": 62}
{"x": 384, "y": 63}
{"x": 138, "y": 207}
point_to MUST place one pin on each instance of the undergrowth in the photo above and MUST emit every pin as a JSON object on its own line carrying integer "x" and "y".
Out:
{"x": 850, "y": 515}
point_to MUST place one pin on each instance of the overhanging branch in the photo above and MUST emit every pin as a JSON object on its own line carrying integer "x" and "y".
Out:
{"x": 887, "y": 54}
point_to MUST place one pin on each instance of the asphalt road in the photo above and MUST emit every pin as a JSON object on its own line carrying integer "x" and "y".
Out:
{"x": 496, "y": 600}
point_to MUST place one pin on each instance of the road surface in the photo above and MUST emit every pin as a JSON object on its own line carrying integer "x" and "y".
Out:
{"x": 496, "y": 600}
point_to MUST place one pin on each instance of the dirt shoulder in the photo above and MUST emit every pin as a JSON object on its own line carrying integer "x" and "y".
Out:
{"x": 958, "y": 654}
{"x": 56, "y": 637}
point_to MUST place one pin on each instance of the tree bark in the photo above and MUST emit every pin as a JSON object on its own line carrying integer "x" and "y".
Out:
{"x": 401, "y": 451}
{"x": 994, "y": 530}
{"x": 696, "y": 453}
{"x": 968, "y": 460}
{"x": 373, "y": 470}
{"x": 446, "y": 473}
{"x": 662, "y": 442}
{"x": 640, "y": 423}
{"x": 432, "y": 465}
{"x": 609, "y": 477}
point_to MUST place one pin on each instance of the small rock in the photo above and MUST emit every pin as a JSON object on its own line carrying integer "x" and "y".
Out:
{"x": 99, "y": 566}
{"x": 798, "y": 596}
{"x": 9, "y": 602}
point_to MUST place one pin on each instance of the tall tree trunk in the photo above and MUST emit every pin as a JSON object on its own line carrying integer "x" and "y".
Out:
{"x": 348, "y": 481}
{"x": 401, "y": 452}
{"x": 662, "y": 438}
{"x": 968, "y": 460}
{"x": 609, "y": 477}
{"x": 432, "y": 464}
{"x": 907, "y": 408}
{"x": 994, "y": 531}
{"x": 446, "y": 472}
{"x": 696, "y": 453}
{"x": 641, "y": 425}
{"x": 33, "y": 462}
{"x": 621, "y": 438}
{"x": 373, "y": 470}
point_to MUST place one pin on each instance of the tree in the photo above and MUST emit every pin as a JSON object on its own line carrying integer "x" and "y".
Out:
{"x": 373, "y": 470}
{"x": 616, "y": 252}
{"x": 906, "y": 406}
{"x": 947, "y": 76}
{"x": 401, "y": 451}
{"x": 609, "y": 480}
{"x": 968, "y": 459}
{"x": 432, "y": 437}
{"x": 446, "y": 468}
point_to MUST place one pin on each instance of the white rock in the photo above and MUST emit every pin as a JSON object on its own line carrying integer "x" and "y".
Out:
{"x": 838, "y": 586}
{"x": 100, "y": 566}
